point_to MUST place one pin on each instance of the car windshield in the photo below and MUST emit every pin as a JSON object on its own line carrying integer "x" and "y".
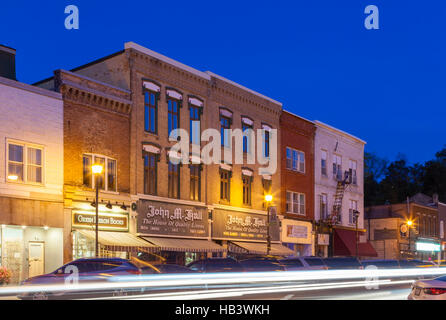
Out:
{"x": 314, "y": 261}
{"x": 342, "y": 262}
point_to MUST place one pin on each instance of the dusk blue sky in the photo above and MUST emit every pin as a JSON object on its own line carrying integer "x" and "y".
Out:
{"x": 385, "y": 86}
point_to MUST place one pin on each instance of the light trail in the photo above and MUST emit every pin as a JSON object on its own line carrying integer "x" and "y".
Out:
{"x": 187, "y": 282}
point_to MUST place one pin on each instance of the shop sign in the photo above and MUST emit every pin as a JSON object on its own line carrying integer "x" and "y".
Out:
{"x": 169, "y": 219}
{"x": 428, "y": 246}
{"x": 242, "y": 226}
{"x": 323, "y": 239}
{"x": 294, "y": 231}
{"x": 110, "y": 222}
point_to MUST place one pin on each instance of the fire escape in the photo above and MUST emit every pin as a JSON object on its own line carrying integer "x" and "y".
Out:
{"x": 342, "y": 184}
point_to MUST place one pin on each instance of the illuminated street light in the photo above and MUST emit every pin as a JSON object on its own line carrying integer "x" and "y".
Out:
{"x": 409, "y": 223}
{"x": 268, "y": 198}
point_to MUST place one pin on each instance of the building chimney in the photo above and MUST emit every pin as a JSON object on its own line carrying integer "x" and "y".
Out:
{"x": 7, "y": 62}
{"x": 435, "y": 198}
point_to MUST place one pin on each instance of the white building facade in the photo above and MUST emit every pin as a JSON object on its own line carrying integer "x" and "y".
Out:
{"x": 337, "y": 152}
{"x": 31, "y": 179}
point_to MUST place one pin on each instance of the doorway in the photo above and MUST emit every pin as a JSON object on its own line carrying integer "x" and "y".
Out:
{"x": 36, "y": 258}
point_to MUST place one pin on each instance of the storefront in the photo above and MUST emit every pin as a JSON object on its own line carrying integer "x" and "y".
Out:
{"x": 114, "y": 238}
{"x": 245, "y": 234}
{"x": 428, "y": 249}
{"x": 346, "y": 242}
{"x": 30, "y": 251}
{"x": 181, "y": 232}
{"x": 298, "y": 236}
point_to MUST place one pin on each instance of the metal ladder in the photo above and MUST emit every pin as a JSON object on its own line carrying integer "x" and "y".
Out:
{"x": 339, "y": 195}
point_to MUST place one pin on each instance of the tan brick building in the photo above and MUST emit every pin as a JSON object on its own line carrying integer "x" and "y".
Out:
{"x": 181, "y": 208}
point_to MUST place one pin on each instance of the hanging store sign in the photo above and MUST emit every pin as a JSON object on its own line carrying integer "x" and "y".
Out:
{"x": 107, "y": 222}
{"x": 294, "y": 231}
{"x": 428, "y": 246}
{"x": 323, "y": 239}
{"x": 169, "y": 219}
{"x": 242, "y": 226}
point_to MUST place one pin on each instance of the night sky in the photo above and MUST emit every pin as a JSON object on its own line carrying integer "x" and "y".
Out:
{"x": 385, "y": 86}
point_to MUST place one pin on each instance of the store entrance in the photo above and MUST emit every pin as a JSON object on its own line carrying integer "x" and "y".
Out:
{"x": 36, "y": 258}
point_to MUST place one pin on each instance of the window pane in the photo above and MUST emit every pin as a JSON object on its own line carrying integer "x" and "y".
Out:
{"x": 35, "y": 156}
{"x": 101, "y": 177}
{"x": 111, "y": 175}
{"x": 34, "y": 174}
{"x": 15, "y": 169}
{"x": 15, "y": 153}
{"x": 87, "y": 171}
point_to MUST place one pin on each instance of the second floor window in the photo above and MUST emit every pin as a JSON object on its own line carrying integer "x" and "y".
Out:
{"x": 173, "y": 117}
{"x": 25, "y": 163}
{"x": 195, "y": 182}
{"x": 225, "y": 123}
{"x": 247, "y": 182}
{"x": 295, "y": 203}
{"x": 174, "y": 181}
{"x": 353, "y": 206}
{"x": 150, "y": 173}
{"x": 225, "y": 178}
{"x": 150, "y": 111}
{"x": 107, "y": 180}
{"x": 323, "y": 206}
{"x": 295, "y": 160}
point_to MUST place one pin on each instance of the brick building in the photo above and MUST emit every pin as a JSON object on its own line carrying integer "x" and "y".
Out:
{"x": 96, "y": 131}
{"x": 31, "y": 175}
{"x": 181, "y": 208}
{"x": 297, "y": 182}
{"x": 393, "y": 238}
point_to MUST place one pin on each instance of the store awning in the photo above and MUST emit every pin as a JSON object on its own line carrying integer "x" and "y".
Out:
{"x": 260, "y": 248}
{"x": 184, "y": 245}
{"x": 345, "y": 244}
{"x": 119, "y": 241}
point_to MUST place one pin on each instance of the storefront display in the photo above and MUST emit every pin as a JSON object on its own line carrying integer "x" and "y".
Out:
{"x": 298, "y": 236}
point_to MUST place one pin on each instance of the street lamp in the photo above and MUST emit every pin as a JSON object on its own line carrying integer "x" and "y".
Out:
{"x": 356, "y": 215}
{"x": 410, "y": 226}
{"x": 97, "y": 170}
{"x": 268, "y": 199}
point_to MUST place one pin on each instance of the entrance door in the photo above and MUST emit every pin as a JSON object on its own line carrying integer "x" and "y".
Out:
{"x": 36, "y": 258}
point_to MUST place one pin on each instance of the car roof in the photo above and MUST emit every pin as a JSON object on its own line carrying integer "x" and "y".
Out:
{"x": 100, "y": 260}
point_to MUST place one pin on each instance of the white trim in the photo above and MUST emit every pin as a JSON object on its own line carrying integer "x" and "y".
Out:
{"x": 226, "y": 167}
{"x": 226, "y": 113}
{"x": 149, "y": 85}
{"x": 244, "y": 88}
{"x": 137, "y": 47}
{"x": 195, "y": 102}
{"x": 174, "y": 94}
{"x": 247, "y": 121}
{"x": 267, "y": 177}
{"x": 151, "y": 149}
{"x": 247, "y": 172}
{"x": 266, "y": 127}
{"x": 328, "y": 127}
{"x": 33, "y": 89}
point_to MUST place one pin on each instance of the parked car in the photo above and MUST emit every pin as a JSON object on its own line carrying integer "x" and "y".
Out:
{"x": 216, "y": 265}
{"x": 89, "y": 270}
{"x": 414, "y": 263}
{"x": 173, "y": 268}
{"x": 342, "y": 263}
{"x": 434, "y": 289}
{"x": 381, "y": 264}
{"x": 260, "y": 264}
{"x": 303, "y": 263}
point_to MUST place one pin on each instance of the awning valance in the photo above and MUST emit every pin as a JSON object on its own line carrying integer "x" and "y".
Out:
{"x": 345, "y": 245}
{"x": 119, "y": 241}
{"x": 277, "y": 249}
{"x": 185, "y": 245}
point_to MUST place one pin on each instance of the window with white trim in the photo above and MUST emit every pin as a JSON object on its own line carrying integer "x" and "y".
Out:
{"x": 295, "y": 160}
{"x": 323, "y": 199}
{"x": 107, "y": 180}
{"x": 352, "y": 166}
{"x": 324, "y": 163}
{"x": 25, "y": 163}
{"x": 337, "y": 167}
{"x": 295, "y": 202}
{"x": 353, "y": 206}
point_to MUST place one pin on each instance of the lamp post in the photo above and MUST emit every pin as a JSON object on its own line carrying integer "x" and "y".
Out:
{"x": 409, "y": 224}
{"x": 356, "y": 215}
{"x": 97, "y": 170}
{"x": 268, "y": 199}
